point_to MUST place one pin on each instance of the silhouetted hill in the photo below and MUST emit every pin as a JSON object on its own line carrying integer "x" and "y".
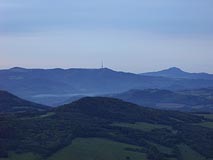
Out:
{"x": 175, "y": 72}
{"x": 11, "y": 103}
{"x": 164, "y": 99}
{"x": 118, "y": 110}
{"x": 51, "y": 86}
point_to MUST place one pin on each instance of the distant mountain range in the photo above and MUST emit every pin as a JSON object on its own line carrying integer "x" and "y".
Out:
{"x": 51, "y": 86}
{"x": 175, "y": 72}
{"x": 10, "y": 103}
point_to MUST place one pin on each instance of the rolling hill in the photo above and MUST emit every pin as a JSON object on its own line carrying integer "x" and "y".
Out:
{"x": 105, "y": 128}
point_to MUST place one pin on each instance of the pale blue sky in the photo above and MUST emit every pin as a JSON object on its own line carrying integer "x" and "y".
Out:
{"x": 129, "y": 35}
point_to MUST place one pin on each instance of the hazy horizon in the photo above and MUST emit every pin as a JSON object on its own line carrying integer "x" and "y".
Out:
{"x": 104, "y": 67}
{"x": 132, "y": 36}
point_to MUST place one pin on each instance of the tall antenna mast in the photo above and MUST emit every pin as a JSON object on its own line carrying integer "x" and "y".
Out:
{"x": 102, "y": 64}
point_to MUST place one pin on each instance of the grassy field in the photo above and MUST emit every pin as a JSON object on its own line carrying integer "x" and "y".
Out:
{"x": 102, "y": 149}
{"x": 206, "y": 124}
{"x": 209, "y": 116}
{"x": 162, "y": 148}
{"x": 88, "y": 149}
{"x": 47, "y": 115}
{"x": 142, "y": 126}
{"x": 97, "y": 149}
{"x": 40, "y": 116}
{"x": 26, "y": 156}
{"x": 189, "y": 154}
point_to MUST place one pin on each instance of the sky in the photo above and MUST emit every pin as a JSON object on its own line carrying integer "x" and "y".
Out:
{"x": 128, "y": 35}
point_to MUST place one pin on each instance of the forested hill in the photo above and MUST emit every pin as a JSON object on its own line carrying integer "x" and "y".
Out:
{"x": 45, "y": 134}
{"x": 118, "y": 110}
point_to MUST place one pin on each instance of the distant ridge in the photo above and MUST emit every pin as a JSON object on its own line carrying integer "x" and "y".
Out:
{"x": 169, "y": 100}
{"x": 175, "y": 72}
{"x": 17, "y": 68}
{"x": 51, "y": 86}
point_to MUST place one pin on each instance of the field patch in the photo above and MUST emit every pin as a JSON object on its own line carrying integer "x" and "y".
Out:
{"x": 209, "y": 116}
{"x": 97, "y": 149}
{"x": 25, "y": 156}
{"x": 189, "y": 154}
{"x": 142, "y": 126}
{"x": 162, "y": 149}
{"x": 206, "y": 124}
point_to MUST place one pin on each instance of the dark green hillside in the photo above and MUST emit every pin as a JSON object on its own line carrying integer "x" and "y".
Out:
{"x": 104, "y": 121}
{"x": 11, "y": 103}
{"x": 118, "y": 110}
